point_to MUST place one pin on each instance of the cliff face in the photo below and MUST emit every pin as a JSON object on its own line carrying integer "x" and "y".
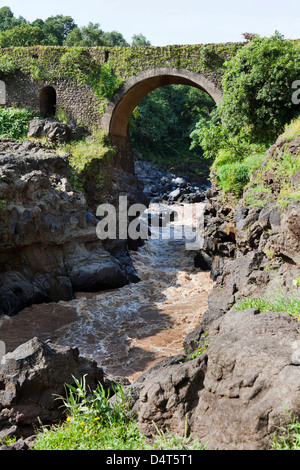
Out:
{"x": 254, "y": 246}
{"x": 48, "y": 243}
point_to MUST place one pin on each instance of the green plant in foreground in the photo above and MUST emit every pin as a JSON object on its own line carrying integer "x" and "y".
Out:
{"x": 170, "y": 441}
{"x": 94, "y": 422}
{"x": 287, "y": 438}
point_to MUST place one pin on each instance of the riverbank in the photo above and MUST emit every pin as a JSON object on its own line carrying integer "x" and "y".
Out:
{"x": 238, "y": 374}
{"x": 128, "y": 329}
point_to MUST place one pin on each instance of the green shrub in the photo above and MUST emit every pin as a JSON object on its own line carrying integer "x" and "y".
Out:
{"x": 257, "y": 86}
{"x": 236, "y": 175}
{"x": 233, "y": 176}
{"x": 93, "y": 422}
{"x": 108, "y": 83}
{"x": 287, "y": 438}
{"x": 84, "y": 151}
{"x": 14, "y": 122}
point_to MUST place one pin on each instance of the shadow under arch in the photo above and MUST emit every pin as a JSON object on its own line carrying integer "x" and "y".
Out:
{"x": 48, "y": 101}
{"x": 118, "y": 111}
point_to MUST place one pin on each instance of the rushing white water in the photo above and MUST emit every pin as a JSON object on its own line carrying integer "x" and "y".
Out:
{"x": 127, "y": 330}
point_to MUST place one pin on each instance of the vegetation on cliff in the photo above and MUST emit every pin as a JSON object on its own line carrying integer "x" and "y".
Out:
{"x": 257, "y": 104}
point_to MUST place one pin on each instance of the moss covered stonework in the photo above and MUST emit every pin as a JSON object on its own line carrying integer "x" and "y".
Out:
{"x": 100, "y": 86}
{"x": 75, "y": 73}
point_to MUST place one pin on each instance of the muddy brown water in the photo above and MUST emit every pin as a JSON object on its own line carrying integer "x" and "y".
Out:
{"x": 126, "y": 330}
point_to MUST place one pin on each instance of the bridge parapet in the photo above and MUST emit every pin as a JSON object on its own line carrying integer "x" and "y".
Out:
{"x": 74, "y": 75}
{"x": 73, "y": 72}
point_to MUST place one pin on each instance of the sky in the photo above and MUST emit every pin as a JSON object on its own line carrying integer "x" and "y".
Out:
{"x": 167, "y": 22}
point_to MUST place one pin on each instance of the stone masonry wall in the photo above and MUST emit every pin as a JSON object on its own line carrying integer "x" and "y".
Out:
{"x": 79, "y": 102}
{"x": 26, "y": 71}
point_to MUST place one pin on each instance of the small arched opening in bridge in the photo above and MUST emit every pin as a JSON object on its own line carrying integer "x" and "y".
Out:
{"x": 118, "y": 112}
{"x": 2, "y": 92}
{"x": 48, "y": 101}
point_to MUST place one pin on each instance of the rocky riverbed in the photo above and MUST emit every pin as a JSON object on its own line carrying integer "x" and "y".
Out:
{"x": 128, "y": 328}
{"x": 166, "y": 187}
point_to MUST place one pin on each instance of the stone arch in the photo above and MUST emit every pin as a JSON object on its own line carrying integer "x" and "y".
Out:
{"x": 48, "y": 101}
{"x": 2, "y": 92}
{"x": 116, "y": 117}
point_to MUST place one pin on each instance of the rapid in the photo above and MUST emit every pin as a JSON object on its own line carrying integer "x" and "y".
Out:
{"x": 129, "y": 329}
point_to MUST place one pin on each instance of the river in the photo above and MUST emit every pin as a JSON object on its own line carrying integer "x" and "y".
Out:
{"x": 129, "y": 329}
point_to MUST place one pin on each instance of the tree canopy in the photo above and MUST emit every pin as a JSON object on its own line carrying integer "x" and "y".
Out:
{"x": 257, "y": 104}
{"x": 58, "y": 30}
{"x": 161, "y": 124}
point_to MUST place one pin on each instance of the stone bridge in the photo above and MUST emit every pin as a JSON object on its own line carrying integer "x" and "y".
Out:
{"x": 46, "y": 79}
{"x": 117, "y": 113}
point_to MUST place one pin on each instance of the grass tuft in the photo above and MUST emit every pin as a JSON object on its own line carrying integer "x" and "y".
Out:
{"x": 287, "y": 438}
{"x": 94, "y": 422}
{"x": 278, "y": 302}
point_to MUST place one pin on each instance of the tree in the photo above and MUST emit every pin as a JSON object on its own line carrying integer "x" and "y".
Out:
{"x": 58, "y": 27}
{"x": 257, "y": 86}
{"x": 92, "y": 36}
{"x": 57, "y": 30}
{"x": 74, "y": 38}
{"x": 256, "y": 105}
{"x": 23, "y": 35}
{"x": 113, "y": 39}
{"x": 8, "y": 20}
{"x": 88, "y": 36}
{"x": 162, "y": 122}
{"x": 140, "y": 40}
{"x": 38, "y": 22}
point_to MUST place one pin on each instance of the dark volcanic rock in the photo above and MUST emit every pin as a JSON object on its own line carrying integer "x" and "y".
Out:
{"x": 235, "y": 395}
{"x": 48, "y": 242}
{"x": 54, "y": 130}
{"x": 31, "y": 378}
{"x": 166, "y": 187}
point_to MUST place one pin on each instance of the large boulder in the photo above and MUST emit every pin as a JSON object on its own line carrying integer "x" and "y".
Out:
{"x": 48, "y": 242}
{"x": 234, "y": 395}
{"x": 31, "y": 379}
{"x": 54, "y": 130}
